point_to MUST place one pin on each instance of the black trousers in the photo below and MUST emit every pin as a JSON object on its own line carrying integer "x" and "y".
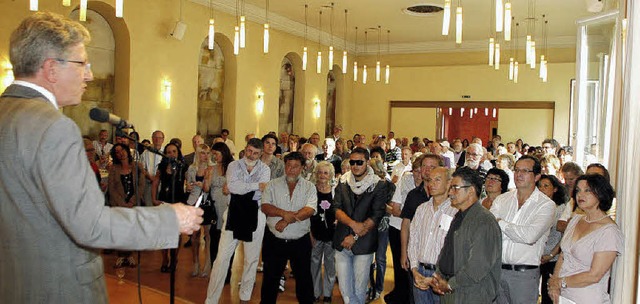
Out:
{"x": 401, "y": 287}
{"x": 546, "y": 270}
{"x": 275, "y": 254}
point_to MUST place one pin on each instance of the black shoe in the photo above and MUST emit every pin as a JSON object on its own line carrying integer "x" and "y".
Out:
{"x": 187, "y": 244}
{"x": 326, "y": 300}
{"x": 390, "y": 298}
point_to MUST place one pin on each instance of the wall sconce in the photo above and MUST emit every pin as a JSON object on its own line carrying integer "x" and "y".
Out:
{"x": 7, "y": 75}
{"x": 166, "y": 93}
{"x": 316, "y": 108}
{"x": 260, "y": 103}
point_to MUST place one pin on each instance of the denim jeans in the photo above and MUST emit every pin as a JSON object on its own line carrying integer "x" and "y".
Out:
{"x": 353, "y": 275}
{"x": 425, "y": 296}
{"x": 381, "y": 261}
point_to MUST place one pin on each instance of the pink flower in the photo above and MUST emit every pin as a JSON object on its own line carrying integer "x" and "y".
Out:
{"x": 324, "y": 204}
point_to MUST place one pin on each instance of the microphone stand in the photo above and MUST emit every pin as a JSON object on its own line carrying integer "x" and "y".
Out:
{"x": 176, "y": 167}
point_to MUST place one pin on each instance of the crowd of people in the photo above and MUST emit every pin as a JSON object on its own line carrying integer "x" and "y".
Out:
{"x": 330, "y": 209}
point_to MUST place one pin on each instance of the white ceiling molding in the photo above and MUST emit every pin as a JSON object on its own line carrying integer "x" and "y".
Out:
{"x": 284, "y": 24}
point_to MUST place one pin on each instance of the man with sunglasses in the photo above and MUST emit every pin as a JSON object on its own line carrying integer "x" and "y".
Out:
{"x": 525, "y": 217}
{"x": 468, "y": 268}
{"x": 359, "y": 205}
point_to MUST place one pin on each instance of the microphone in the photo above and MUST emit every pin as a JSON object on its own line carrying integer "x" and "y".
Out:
{"x": 102, "y": 115}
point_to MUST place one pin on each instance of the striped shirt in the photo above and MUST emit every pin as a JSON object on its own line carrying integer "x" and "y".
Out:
{"x": 429, "y": 228}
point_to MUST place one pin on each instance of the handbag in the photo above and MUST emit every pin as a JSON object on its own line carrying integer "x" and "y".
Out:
{"x": 210, "y": 215}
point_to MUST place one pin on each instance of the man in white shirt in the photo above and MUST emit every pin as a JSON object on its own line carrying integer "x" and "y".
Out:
{"x": 288, "y": 202}
{"x": 102, "y": 146}
{"x": 525, "y": 217}
{"x": 224, "y": 134}
{"x": 428, "y": 231}
{"x": 245, "y": 177}
{"x": 150, "y": 161}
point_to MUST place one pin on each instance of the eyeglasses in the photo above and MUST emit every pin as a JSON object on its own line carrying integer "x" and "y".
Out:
{"x": 474, "y": 154}
{"x": 495, "y": 179}
{"x": 458, "y": 187}
{"x": 357, "y": 162}
{"x": 522, "y": 171}
{"x": 85, "y": 64}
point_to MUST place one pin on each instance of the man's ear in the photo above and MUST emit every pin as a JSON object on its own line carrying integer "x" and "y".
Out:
{"x": 50, "y": 70}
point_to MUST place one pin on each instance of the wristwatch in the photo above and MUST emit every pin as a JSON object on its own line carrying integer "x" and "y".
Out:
{"x": 355, "y": 237}
{"x": 563, "y": 283}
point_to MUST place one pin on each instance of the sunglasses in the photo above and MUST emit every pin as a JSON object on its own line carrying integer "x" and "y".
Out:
{"x": 357, "y": 162}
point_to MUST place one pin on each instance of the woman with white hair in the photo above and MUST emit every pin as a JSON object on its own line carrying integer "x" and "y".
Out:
{"x": 322, "y": 229}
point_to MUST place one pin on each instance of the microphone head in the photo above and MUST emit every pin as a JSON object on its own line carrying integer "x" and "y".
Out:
{"x": 100, "y": 115}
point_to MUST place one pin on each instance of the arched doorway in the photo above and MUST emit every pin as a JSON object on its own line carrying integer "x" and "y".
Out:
{"x": 287, "y": 96}
{"x": 211, "y": 71}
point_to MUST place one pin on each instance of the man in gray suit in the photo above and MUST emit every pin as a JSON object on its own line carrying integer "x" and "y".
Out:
{"x": 52, "y": 212}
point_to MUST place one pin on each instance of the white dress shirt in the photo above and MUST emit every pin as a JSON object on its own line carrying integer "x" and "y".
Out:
{"x": 524, "y": 230}
{"x": 241, "y": 181}
{"x": 429, "y": 228}
{"x": 403, "y": 187}
{"x": 277, "y": 194}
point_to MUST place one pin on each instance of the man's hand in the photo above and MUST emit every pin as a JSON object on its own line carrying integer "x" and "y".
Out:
{"x": 404, "y": 261}
{"x": 348, "y": 242}
{"x": 440, "y": 285}
{"x": 189, "y": 217}
{"x": 281, "y": 225}
{"x": 420, "y": 281}
{"x": 359, "y": 228}
{"x": 289, "y": 217}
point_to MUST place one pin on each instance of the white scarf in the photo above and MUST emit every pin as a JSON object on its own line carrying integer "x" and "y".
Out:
{"x": 359, "y": 187}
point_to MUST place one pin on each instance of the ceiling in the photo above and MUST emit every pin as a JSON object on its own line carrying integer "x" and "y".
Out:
{"x": 409, "y": 33}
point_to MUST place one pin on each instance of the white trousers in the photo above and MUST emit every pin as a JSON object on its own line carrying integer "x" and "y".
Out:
{"x": 226, "y": 248}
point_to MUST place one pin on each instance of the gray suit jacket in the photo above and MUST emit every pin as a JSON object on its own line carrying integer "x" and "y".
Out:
{"x": 477, "y": 258}
{"x": 52, "y": 212}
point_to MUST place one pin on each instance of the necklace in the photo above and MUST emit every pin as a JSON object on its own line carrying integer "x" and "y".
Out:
{"x": 593, "y": 221}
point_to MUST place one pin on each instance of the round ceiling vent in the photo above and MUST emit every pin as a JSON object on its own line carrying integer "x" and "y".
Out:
{"x": 423, "y": 9}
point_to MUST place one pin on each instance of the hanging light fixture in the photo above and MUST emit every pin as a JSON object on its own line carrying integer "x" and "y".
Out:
{"x": 499, "y": 16}
{"x": 494, "y": 112}
{"x": 33, "y": 5}
{"x": 461, "y": 112}
{"x": 83, "y": 10}
{"x": 304, "y": 49}
{"x": 544, "y": 56}
{"x": 378, "y": 56}
{"x": 66, "y": 2}
{"x": 511, "y": 66}
{"x": 475, "y": 110}
{"x": 387, "y": 70}
{"x": 319, "y": 58}
{"x": 364, "y": 67}
{"x": 211, "y": 27}
{"x": 265, "y": 39}
{"x": 516, "y": 63}
{"x": 243, "y": 28}
{"x": 236, "y": 40}
{"x": 331, "y": 40}
{"x": 471, "y": 114}
{"x": 507, "y": 21}
{"x": 355, "y": 59}
{"x": 459, "y": 23}
{"x": 497, "y": 59}
{"x": 119, "y": 8}
{"x": 486, "y": 111}
{"x": 446, "y": 18}
{"x": 344, "y": 53}
{"x": 492, "y": 41}
{"x": 450, "y": 111}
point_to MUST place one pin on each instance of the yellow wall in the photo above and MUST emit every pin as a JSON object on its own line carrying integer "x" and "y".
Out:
{"x": 531, "y": 125}
{"x": 155, "y": 56}
{"x": 403, "y": 127}
{"x": 370, "y": 104}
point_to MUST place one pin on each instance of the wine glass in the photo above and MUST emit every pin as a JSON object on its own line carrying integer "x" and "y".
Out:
{"x": 120, "y": 272}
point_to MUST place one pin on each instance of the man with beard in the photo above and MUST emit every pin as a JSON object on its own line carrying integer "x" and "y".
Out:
{"x": 473, "y": 157}
{"x": 309, "y": 152}
{"x": 288, "y": 202}
{"x": 359, "y": 205}
{"x": 246, "y": 179}
{"x": 458, "y": 153}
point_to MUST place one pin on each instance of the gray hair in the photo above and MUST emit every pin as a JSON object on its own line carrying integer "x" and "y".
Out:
{"x": 41, "y": 36}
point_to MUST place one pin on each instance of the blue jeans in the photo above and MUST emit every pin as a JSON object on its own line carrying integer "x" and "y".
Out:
{"x": 353, "y": 275}
{"x": 381, "y": 261}
{"x": 424, "y": 296}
